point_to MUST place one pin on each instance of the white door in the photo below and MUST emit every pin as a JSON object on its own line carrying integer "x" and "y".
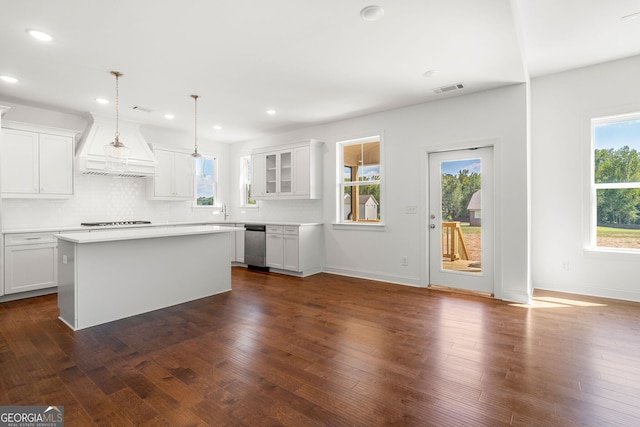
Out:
{"x": 461, "y": 219}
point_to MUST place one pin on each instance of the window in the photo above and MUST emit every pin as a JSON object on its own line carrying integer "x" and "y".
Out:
{"x": 245, "y": 183}
{"x": 359, "y": 195}
{"x": 206, "y": 177}
{"x": 616, "y": 182}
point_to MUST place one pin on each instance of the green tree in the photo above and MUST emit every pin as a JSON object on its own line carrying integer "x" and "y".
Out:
{"x": 456, "y": 193}
{"x": 617, "y": 206}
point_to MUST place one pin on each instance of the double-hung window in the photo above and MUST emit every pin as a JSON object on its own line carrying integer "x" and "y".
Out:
{"x": 245, "y": 183}
{"x": 360, "y": 178}
{"x": 615, "y": 189}
{"x": 206, "y": 181}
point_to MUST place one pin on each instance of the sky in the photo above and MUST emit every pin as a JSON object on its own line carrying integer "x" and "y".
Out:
{"x": 618, "y": 134}
{"x": 455, "y": 166}
{"x": 205, "y": 165}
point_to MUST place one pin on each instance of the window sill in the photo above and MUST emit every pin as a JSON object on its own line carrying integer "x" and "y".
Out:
{"x": 618, "y": 254}
{"x": 359, "y": 226}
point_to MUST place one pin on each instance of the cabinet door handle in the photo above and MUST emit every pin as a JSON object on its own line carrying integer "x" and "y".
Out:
{"x": 33, "y": 238}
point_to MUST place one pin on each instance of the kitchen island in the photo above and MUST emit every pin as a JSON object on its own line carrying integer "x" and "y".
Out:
{"x": 106, "y": 275}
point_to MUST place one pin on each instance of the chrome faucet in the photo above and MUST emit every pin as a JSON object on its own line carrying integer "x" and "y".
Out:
{"x": 224, "y": 211}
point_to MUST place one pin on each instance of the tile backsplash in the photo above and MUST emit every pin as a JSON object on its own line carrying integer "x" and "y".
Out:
{"x": 99, "y": 198}
{"x": 112, "y": 198}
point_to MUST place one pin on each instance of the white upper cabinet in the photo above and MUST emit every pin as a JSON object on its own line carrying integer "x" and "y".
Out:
{"x": 37, "y": 162}
{"x": 291, "y": 171}
{"x": 174, "y": 178}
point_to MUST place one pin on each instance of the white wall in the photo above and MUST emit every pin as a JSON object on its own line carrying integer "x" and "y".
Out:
{"x": 561, "y": 106}
{"x": 499, "y": 115}
{"x": 107, "y": 198}
{"x": 409, "y": 133}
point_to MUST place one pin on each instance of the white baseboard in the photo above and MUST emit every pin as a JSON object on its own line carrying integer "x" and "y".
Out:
{"x": 621, "y": 294}
{"x": 515, "y": 296}
{"x": 400, "y": 280}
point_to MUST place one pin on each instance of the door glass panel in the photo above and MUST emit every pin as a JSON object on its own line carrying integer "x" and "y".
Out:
{"x": 461, "y": 215}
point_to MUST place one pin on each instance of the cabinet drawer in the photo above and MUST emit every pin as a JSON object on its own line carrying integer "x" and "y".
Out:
{"x": 29, "y": 239}
{"x": 291, "y": 229}
{"x": 274, "y": 229}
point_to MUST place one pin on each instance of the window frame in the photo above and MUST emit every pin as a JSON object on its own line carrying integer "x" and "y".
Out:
{"x": 591, "y": 240}
{"x": 341, "y": 184}
{"x": 216, "y": 197}
{"x": 244, "y": 179}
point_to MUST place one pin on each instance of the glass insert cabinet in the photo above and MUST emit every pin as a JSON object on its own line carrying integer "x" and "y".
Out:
{"x": 291, "y": 171}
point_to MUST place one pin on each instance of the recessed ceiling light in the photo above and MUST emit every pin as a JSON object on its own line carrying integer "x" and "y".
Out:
{"x": 8, "y": 79}
{"x": 217, "y": 127}
{"x": 102, "y": 100}
{"x": 631, "y": 16}
{"x": 169, "y": 116}
{"x": 372, "y": 13}
{"x": 271, "y": 112}
{"x": 431, "y": 73}
{"x": 39, "y": 35}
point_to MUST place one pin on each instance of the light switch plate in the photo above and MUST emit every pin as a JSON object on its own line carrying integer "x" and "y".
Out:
{"x": 411, "y": 209}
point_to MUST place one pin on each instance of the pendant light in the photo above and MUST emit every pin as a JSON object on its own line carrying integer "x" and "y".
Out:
{"x": 116, "y": 153}
{"x": 195, "y": 145}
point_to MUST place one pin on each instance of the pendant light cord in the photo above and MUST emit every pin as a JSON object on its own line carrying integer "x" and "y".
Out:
{"x": 117, "y": 139}
{"x": 195, "y": 113}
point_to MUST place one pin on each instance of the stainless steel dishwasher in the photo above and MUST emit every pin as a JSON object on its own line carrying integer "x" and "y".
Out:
{"x": 255, "y": 246}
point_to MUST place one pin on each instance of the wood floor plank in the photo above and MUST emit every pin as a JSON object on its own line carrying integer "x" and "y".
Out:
{"x": 331, "y": 350}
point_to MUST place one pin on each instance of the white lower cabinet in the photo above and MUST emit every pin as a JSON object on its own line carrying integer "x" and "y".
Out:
{"x": 294, "y": 249}
{"x": 290, "y": 252}
{"x": 30, "y": 262}
{"x": 275, "y": 246}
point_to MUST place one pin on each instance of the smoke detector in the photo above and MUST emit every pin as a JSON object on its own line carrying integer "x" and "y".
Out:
{"x": 372, "y": 13}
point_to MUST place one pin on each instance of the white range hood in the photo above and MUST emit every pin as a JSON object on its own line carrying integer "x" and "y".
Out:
{"x": 90, "y": 152}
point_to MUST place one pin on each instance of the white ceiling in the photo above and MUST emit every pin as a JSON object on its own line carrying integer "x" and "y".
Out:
{"x": 313, "y": 61}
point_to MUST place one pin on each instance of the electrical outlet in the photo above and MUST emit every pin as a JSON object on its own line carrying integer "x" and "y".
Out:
{"x": 564, "y": 265}
{"x": 405, "y": 261}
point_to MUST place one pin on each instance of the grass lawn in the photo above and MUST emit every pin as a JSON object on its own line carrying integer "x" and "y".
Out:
{"x": 608, "y": 232}
{"x": 617, "y": 232}
{"x": 607, "y": 236}
{"x": 468, "y": 229}
{"x": 611, "y": 237}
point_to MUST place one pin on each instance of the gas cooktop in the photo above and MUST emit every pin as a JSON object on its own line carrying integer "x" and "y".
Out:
{"x": 112, "y": 223}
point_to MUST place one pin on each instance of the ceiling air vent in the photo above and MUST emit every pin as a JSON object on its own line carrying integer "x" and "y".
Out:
{"x": 138, "y": 108}
{"x": 444, "y": 89}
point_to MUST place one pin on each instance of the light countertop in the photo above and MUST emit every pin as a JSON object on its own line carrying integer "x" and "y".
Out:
{"x": 76, "y": 228}
{"x": 109, "y": 235}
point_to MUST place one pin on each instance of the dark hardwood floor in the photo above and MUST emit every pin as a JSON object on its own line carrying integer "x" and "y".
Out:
{"x": 331, "y": 351}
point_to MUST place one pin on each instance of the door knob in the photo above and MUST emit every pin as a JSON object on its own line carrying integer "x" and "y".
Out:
{"x": 432, "y": 226}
